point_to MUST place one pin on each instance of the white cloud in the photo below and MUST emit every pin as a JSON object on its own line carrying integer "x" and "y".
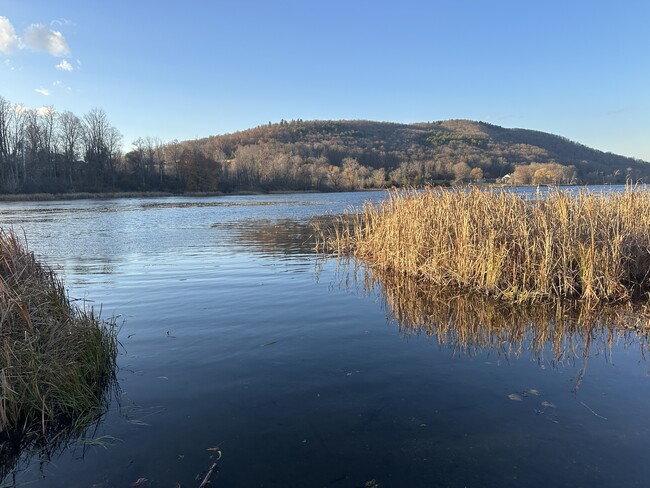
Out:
{"x": 41, "y": 38}
{"x": 43, "y": 91}
{"x": 9, "y": 66}
{"x": 64, "y": 66}
{"x": 8, "y": 37}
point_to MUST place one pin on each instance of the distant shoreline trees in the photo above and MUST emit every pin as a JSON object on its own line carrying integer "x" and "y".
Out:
{"x": 45, "y": 151}
{"x": 42, "y": 150}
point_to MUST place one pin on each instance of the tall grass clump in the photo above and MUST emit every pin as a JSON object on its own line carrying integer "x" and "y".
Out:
{"x": 57, "y": 361}
{"x": 578, "y": 246}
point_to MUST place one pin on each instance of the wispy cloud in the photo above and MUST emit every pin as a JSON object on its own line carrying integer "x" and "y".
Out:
{"x": 61, "y": 22}
{"x": 59, "y": 85}
{"x": 41, "y": 38}
{"x": 617, "y": 111}
{"x": 43, "y": 91}
{"x": 8, "y": 37}
{"x": 64, "y": 66}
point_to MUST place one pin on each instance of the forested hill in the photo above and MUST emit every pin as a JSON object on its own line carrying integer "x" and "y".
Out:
{"x": 446, "y": 151}
{"x": 59, "y": 152}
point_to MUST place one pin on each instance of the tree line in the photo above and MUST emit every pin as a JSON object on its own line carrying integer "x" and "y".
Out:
{"x": 42, "y": 150}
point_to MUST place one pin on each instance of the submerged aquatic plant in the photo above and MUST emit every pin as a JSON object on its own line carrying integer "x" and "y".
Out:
{"x": 57, "y": 361}
{"x": 585, "y": 246}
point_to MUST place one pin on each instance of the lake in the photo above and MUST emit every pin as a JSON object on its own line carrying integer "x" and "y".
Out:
{"x": 306, "y": 372}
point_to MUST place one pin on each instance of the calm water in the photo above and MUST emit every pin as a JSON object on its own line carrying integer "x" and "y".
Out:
{"x": 236, "y": 335}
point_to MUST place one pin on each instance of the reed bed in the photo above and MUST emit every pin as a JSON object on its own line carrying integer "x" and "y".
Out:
{"x": 579, "y": 246}
{"x": 57, "y": 361}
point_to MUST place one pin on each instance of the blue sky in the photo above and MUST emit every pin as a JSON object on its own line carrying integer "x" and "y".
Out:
{"x": 580, "y": 69}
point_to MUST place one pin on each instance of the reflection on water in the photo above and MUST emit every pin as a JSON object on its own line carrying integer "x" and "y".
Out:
{"x": 549, "y": 333}
{"x": 195, "y": 204}
{"x": 22, "y": 448}
{"x": 236, "y": 335}
{"x": 19, "y": 452}
{"x": 277, "y": 237}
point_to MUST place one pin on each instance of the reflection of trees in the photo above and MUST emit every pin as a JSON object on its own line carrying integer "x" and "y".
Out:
{"x": 556, "y": 332}
{"x": 278, "y": 237}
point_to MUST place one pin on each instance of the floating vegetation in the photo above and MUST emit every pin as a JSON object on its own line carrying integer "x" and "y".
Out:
{"x": 589, "y": 247}
{"x": 213, "y": 467}
{"x": 57, "y": 362}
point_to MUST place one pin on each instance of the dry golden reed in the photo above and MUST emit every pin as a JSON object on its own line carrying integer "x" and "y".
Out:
{"x": 579, "y": 246}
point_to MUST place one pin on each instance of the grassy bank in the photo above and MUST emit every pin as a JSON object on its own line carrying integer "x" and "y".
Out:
{"x": 57, "y": 362}
{"x": 589, "y": 247}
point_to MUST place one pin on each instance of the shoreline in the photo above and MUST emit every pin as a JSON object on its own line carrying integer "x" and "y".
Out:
{"x": 47, "y": 197}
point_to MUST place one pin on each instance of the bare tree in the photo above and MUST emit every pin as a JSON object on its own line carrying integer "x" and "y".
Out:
{"x": 18, "y": 171}
{"x": 70, "y": 135}
{"x": 172, "y": 153}
{"x": 6, "y": 109}
{"x": 47, "y": 121}
{"x": 95, "y": 147}
{"x": 113, "y": 143}
{"x": 102, "y": 148}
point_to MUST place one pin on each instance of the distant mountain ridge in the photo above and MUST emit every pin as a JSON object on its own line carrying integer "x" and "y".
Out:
{"x": 450, "y": 150}
{"x": 60, "y": 152}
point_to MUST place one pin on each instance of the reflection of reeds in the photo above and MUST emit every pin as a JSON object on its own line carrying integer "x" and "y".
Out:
{"x": 577, "y": 246}
{"x": 57, "y": 362}
{"x": 557, "y": 331}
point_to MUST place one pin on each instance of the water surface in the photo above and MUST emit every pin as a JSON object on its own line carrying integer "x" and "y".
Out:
{"x": 236, "y": 335}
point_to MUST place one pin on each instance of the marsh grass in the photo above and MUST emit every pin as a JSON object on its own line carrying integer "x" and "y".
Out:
{"x": 578, "y": 246}
{"x": 57, "y": 361}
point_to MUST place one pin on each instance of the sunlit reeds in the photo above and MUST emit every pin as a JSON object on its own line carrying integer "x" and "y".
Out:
{"x": 579, "y": 246}
{"x": 57, "y": 361}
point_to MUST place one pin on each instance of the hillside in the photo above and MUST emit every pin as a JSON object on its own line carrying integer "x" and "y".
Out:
{"x": 54, "y": 152}
{"x": 445, "y": 151}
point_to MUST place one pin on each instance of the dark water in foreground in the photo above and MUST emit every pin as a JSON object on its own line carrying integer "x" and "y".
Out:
{"x": 237, "y": 336}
